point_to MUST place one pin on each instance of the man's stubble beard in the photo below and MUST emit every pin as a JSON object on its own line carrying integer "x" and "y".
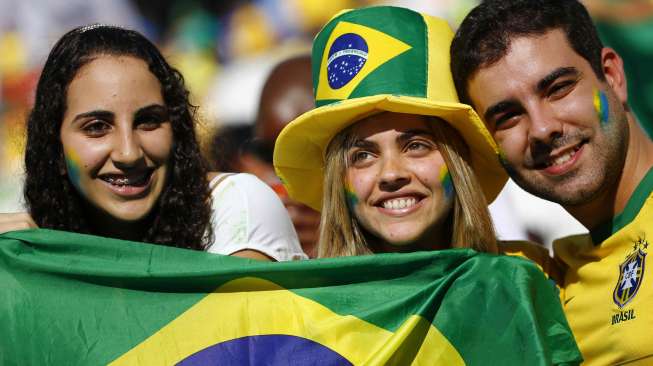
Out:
{"x": 598, "y": 180}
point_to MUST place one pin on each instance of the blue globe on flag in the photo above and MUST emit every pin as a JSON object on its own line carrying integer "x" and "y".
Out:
{"x": 267, "y": 349}
{"x": 347, "y": 56}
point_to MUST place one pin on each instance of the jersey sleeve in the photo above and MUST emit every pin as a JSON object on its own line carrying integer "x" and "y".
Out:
{"x": 248, "y": 215}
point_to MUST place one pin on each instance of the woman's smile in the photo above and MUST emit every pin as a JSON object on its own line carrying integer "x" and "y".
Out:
{"x": 402, "y": 205}
{"x": 393, "y": 174}
{"x": 130, "y": 186}
{"x": 117, "y": 137}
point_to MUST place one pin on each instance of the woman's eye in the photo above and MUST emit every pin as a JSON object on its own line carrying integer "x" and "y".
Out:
{"x": 360, "y": 156}
{"x": 96, "y": 128}
{"x": 149, "y": 123}
{"x": 420, "y": 146}
{"x": 416, "y": 145}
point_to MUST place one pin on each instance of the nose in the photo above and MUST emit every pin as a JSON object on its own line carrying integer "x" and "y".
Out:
{"x": 127, "y": 151}
{"x": 393, "y": 174}
{"x": 544, "y": 126}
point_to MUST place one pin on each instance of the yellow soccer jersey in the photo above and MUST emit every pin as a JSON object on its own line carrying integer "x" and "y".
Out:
{"x": 536, "y": 253}
{"x": 608, "y": 285}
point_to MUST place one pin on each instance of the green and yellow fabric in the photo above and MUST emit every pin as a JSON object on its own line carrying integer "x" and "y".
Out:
{"x": 376, "y": 59}
{"x": 73, "y": 299}
{"x": 607, "y": 290}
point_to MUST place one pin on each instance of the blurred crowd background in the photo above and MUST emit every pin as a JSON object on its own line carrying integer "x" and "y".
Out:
{"x": 226, "y": 48}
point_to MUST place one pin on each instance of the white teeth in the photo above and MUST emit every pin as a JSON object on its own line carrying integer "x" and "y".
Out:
{"x": 123, "y": 181}
{"x": 399, "y": 203}
{"x": 563, "y": 158}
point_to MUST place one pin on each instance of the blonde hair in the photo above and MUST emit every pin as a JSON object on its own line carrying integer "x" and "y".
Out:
{"x": 340, "y": 232}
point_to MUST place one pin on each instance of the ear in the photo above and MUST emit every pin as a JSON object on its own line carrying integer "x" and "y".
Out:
{"x": 613, "y": 68}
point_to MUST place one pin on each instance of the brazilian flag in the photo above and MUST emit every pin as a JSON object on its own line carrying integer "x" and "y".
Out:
{"x": 72, "y": 299}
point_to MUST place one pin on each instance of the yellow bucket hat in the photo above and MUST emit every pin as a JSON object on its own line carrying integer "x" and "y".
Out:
{"x": 372, "y": 60}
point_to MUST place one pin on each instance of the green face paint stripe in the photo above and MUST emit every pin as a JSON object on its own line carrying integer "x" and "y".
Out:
{"x": 350, "y": 195}
{"x": 72, "y": 167}
{"x": 601, "y": 106}
{"x": 447, "y": 183}
{"x": 502, "y": 157}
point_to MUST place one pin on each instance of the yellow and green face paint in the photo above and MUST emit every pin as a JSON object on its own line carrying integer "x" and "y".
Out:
{"x": 601, "y": 106}
{"x": 502, "y": 157}
{"x": 73, "y": 163}
{"x": 446, "y": 182}
{"x": 350, "y": 195}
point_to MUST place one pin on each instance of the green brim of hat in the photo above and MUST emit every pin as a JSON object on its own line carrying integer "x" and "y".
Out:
{"x": 299, "y": 150}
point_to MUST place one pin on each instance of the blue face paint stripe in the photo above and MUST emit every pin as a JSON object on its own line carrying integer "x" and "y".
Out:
{"x": 72, "y": 168}
{"x": 605, "y": 111}
{"x": 601, "y": 106}
{"x": 350, "y": 196}
{"x": 447, "y": 183}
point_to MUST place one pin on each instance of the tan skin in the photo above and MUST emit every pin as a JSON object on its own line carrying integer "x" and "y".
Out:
{"x": 543, "y": 91}
{"x": 115, "y": 129}
{"x": 394, "y": 172}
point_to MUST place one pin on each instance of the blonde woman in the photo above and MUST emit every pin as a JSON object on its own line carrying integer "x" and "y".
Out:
{"x": 390, "y": 156}
{"x": 408, "y": 186}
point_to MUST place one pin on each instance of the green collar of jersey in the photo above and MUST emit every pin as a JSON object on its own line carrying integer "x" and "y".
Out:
{"x": 631, "y": 210}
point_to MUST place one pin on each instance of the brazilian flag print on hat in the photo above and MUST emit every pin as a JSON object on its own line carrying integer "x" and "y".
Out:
{"x": 376, "y": 59}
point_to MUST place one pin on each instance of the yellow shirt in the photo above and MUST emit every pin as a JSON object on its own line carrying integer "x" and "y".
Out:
{"x": 608, "y": 284}
{"x": 536, "y": 253}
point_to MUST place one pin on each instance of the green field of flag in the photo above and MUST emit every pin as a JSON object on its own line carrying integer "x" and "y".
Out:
{"x": 72, "y": 299}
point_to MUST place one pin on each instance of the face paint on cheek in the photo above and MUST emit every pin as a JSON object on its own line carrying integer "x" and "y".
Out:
{"x": 72, "y": 167}
{"x": 447, "y": 183}
{"x": 502, "y": 157}
{"x": 601, "y": 106}
{"x": 352, "y": 198}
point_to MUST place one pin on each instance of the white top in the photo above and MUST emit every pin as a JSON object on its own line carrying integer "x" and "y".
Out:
{"x": 247, "y": 214}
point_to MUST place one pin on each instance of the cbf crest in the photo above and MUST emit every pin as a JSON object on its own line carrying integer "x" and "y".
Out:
{"x": 631, "y": 274}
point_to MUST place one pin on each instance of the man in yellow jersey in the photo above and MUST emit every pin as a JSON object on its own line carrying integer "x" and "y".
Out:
{"x": 556, "y": 102}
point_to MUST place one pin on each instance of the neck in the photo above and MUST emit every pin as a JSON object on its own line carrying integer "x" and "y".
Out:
{"x": 102, "y": 224}
{"x": 613, "y": 200}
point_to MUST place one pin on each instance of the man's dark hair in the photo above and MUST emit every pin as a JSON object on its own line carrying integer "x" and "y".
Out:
{"x": 485, "y": 34}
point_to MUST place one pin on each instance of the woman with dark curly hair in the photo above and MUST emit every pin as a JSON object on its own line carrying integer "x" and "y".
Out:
{"x": 111, "y": 150}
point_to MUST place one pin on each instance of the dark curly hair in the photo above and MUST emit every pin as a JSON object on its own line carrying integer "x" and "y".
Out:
{"x": 183, "y": 212}
{"x": 484, "y": 35}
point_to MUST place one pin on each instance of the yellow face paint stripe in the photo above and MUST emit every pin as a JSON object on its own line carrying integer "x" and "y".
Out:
{"x": 73, "y": 163}
{"x": 352, "y": 198}
{"x": 445, "y": 180}
{"x": 601, "y": 106}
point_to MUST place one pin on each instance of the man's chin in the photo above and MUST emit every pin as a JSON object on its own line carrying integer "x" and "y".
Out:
{"x": 570, "y": 194}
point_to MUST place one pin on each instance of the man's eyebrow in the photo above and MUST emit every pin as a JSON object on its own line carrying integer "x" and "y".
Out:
{"x": 546, "y": 81}
{"x": 499, "y": 108}
{"x": 100, "y": 114}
